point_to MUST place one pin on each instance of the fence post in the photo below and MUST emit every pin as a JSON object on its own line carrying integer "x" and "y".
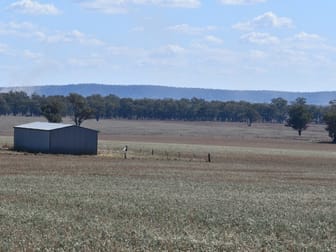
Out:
{"x": 209, "y": 158}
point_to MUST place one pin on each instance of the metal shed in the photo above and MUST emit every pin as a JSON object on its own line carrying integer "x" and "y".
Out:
{"x": 56, "y": 138}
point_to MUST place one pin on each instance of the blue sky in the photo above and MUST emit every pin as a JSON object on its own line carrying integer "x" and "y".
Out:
{"x": 285, "y": 45}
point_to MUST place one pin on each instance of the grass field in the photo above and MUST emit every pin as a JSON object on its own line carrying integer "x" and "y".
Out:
{"x": 266, "y": 189}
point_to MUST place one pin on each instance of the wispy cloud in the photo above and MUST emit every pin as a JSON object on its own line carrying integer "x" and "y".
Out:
{"x": 242, "y": 2}
{"x": 191, "y": 30}
{"x": 32, "y": 55}
{"x": 122, "y": 6}
{"x": 257, "y": 55}
{"x": 105, "y": 6}
{"x": 69, "y": 37}
{"x": 124, "y": 51}
{"x": 309, "y": 41}
{"x": 303, "y": 36}
{"x": 34, "y": 8}
{"x": 260, "y": 38}
{"x": 266, "y": 20}
{"x": 299, "y": 50}
{"x": 176, "y": 3}
{"x": 20, "y": 29}
{"x": 168, "y": 50}
{"x": 213, "y": 39}
{"x": 90, "y": 61}
{"x": 171, "y": 55}
{"x": 3, "y": 48}
{"x": 138, "y": 29}
{"x": 29, "y": 30}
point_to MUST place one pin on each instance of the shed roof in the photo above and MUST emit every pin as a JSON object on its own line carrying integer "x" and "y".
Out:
{"x": 43, "y": 126}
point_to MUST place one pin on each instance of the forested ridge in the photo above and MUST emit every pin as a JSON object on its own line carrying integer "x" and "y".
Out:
{"x": 111, "y": 106}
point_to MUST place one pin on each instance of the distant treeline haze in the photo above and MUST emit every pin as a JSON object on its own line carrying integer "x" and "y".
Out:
{"x": 111, "y": 106}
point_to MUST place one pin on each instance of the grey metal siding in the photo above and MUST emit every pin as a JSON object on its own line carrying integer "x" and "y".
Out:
{"x": 31, "y": 140}
{"x": 74, "y": 140}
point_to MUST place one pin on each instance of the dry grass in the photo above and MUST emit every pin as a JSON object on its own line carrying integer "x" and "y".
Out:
{"x": 275, "y": 196}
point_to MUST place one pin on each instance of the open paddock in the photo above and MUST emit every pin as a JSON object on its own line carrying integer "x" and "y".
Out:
{"x": 265, "y": 189}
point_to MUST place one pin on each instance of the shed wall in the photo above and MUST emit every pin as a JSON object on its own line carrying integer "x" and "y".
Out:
{"x": 73, "y": 140}
{"x": 31, "y": 140}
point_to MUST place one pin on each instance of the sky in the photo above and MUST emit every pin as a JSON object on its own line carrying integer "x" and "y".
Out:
{"x": 285, "y": 45}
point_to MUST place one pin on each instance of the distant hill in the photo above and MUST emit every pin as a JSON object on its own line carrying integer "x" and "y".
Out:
{"x": 161, "y": 92}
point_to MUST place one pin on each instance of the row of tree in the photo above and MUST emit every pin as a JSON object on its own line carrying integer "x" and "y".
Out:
{"x": 111, "y": 106}
{"x": 296, "y": 114}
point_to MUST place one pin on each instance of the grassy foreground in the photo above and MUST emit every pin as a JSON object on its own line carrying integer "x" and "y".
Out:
{"x": 248, "y": 199}
{"x": 266, "y": 189}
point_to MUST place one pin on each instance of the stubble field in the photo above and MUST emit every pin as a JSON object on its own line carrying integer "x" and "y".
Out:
{"x": 265, "y": 189}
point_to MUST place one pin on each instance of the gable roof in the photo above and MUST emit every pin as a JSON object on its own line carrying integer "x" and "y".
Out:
{"x": 43, "y": 126}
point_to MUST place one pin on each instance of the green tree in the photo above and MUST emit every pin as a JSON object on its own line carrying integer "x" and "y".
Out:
{"x": 251, "y": 115}
{"x": 52, "y": 109}
{"x": 79, "y": 108}
{"x": 97, "y": 105}
{"x": 34, "y": 105}
{"x": 265, "y": 111}
{"x": 280, "y": 107}
{"x": 4, "y": 108}
{"x": 18, "y": 102}
{"x": 126, "y": 108}
{"x": 112, "y": 106}
{"x": 299, "y": 115}
{"x": 330, "y": 119}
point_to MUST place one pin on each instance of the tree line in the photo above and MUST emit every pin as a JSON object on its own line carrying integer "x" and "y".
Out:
{"x": 111, "y": 106}
{"x": 296, "y": 114}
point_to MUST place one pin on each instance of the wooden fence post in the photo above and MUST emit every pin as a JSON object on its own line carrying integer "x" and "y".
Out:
{"x": 209, "y": 158}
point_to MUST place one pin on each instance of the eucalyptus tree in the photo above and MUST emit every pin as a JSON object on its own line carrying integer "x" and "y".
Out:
{"x": 299, "y": 115}
{"x": 330, "y": 119}
{"x": 80, "y": 110}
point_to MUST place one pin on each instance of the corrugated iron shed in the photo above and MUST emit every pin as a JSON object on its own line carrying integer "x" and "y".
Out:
{"x": 43, "y": 126}
{"x": 55, "y": 138}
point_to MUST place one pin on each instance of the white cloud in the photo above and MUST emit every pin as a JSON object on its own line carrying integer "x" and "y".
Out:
{"x": 300, "y": 50}
{"x": 32, "y": 55}
{"x": 34, "y": 7}
{"x": 171, "y": 55}
{"x": 168, "y": 50}
{"x": 242, "y": 2}
{"x": 213, "y": 39}
{"x": 308, "y": 41}
{"x": 68, "y": 37}
{"x": 176, "y": 49}
{"x": 191, "y": 30}
{"x": 214, "y": 56}
{"x": 23, "y": 29}
{"x": 3, "y": 48}
{"x": 303, "y": 36}
{"x": 177, "y": 3}
{"x": 105, "y": 6}
{"x": 82, "y": 38}
{"x": 257, "y": 54}
{"x": 90, "y": 61}
{"x": 119, "y": 50}
{"x": 138, "y": 29}
{"x": 28, "y": 30}
{"x": 260, "y": 38}
{"x": 266, "y": 20}
{"x": 121, "y": 6}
